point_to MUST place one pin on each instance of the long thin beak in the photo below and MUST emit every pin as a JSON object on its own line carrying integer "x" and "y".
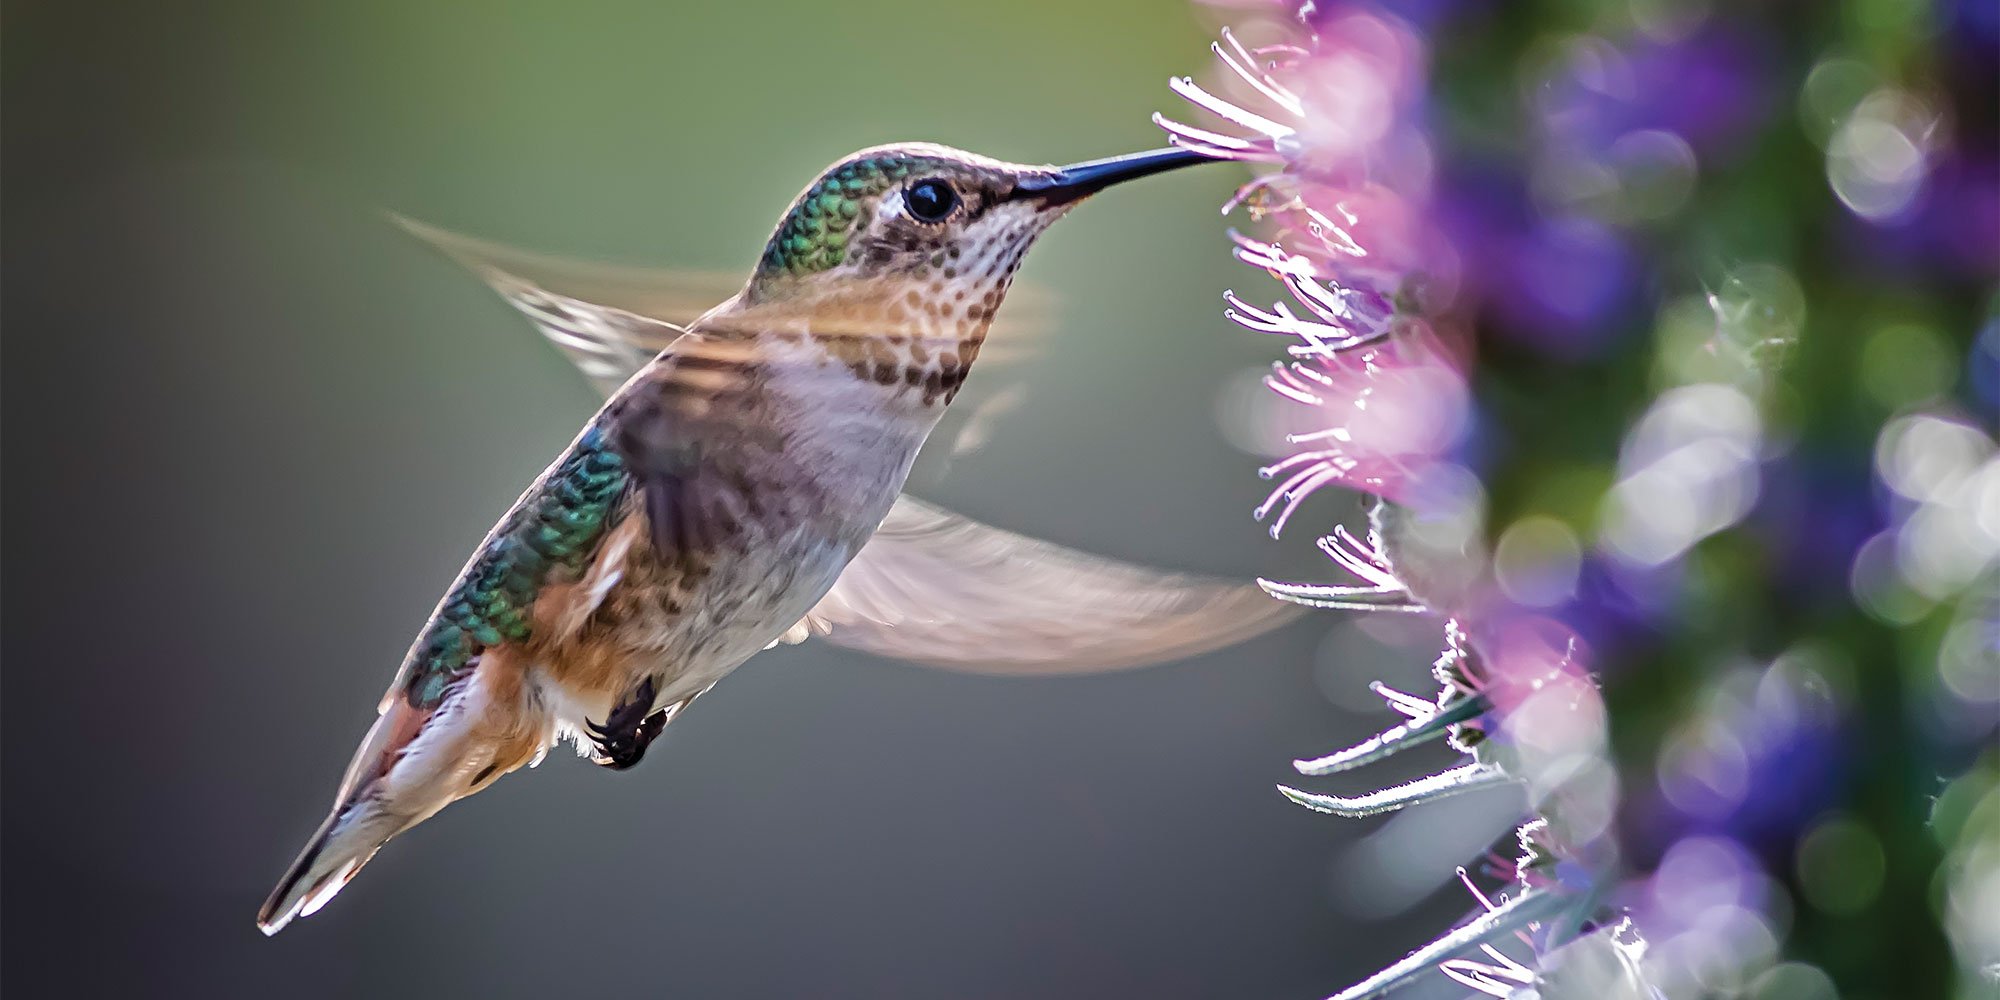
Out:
{"x": 1079, "y": 180}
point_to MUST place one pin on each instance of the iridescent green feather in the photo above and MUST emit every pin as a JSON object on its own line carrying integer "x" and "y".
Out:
{"x": 549, "y": 536}
{"x": 814, "y": 235}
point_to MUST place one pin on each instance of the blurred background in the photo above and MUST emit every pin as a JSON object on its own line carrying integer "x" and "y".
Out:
{"x": 252, "y": 432}
{"x": 1670, "y": 328}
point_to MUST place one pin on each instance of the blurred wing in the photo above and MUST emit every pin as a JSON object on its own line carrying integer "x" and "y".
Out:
{"x": 935, "y": 588}
{"x": 611, "y": 319}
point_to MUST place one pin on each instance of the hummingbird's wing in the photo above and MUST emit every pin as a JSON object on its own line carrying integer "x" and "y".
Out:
{"x": 931, "y": 586}
{"x": 936, "y": 588}
{"x": 609, "y": 320}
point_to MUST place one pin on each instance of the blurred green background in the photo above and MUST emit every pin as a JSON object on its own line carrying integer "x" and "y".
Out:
{"x": 252, "y": 432}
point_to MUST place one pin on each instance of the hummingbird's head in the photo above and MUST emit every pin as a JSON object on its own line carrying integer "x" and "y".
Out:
{"x": 927, "y": 229}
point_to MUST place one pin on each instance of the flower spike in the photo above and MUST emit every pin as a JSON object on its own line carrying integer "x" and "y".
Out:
{"x": 1525, "y": 909}
{"x": 1396, "y": 738}
{"x": 1442, "y": 785}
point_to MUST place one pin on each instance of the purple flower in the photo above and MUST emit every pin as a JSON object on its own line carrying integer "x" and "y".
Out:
{"x": 1333, "y": 113}
{"x": 1952, "y": 223}
{"x": 1563, "y": 285}
{"x": 1707, "y": 88}
{"x": 1613, "y": 210}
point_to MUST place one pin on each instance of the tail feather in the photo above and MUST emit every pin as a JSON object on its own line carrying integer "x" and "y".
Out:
{"x": 412, "y": 763}
{"x": 313, "y": 880}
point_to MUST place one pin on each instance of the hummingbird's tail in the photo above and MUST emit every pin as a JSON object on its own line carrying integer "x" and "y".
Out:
{"x": 413, "y": 763}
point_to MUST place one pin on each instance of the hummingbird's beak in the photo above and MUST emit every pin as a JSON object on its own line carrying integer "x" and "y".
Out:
{"x": 1079, "y": 180}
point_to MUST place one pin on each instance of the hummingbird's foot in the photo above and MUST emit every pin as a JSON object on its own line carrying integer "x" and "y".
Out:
{"x": 629, "y": 730}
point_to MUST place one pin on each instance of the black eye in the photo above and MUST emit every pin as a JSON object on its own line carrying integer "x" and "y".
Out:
{"x": 931, "y": 200}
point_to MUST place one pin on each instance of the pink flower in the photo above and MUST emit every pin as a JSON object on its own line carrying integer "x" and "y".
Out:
{"x": 1332, "y": 113}
{"x": 1334, "y": 107}
{"x": 1340, "y": 221}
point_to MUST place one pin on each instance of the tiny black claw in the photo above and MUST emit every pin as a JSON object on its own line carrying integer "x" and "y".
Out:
{"x": 649, "y": 730}
{"x": 632, "y": 726}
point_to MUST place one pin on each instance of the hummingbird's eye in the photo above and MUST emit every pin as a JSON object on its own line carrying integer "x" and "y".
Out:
{"x": 930, "y": 200}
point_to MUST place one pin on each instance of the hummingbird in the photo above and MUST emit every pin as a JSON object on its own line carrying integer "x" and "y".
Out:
{"x": 743, "y": 487}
